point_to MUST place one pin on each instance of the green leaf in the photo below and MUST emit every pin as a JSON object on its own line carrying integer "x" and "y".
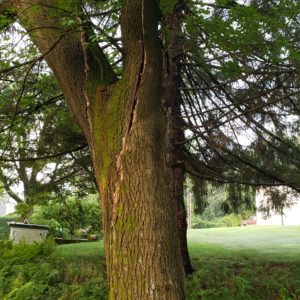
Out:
{"x": 167, "y": 6}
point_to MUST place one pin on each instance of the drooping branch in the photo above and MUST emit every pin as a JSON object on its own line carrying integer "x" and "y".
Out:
{"x": 44, "y": 20}
{"x": 45, "y": 157}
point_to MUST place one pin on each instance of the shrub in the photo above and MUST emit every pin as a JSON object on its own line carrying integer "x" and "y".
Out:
{"x": 4, "y": 228}
{"x": 34, "y": 272}
{"x": 230, "y": 220}
{"x": 71, "y": 217}
{"x": 198, "y": 223}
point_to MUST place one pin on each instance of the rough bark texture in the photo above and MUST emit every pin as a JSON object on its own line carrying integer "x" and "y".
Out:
{"x": 175, "y": 134}
{"x": 139, "y": 230}
{"x": 125, "y": 127}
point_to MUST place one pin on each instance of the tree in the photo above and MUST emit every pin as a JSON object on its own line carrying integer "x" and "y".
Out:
{"x": 70, "y": 216}
{"x": 28, "y": 127}
{"x": 17, "y": 74}
{"x": 125, "y": 128}
{"x": 172, "y": 101}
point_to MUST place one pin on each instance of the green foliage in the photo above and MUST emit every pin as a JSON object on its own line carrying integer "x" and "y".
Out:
{"x": 167, "y": 6}
{"x": 34, "y": 272}
{"x": 223, "y": 205}
{"x": 231, "y": 220}
{"x": 33, "y": 118}
{"x": 222, "y": 272}
{"x": 4, "y": 229}
{"x": 200, "y": 192}
{"x": 244, "y": 29}
{"x": 246, "y": 65}
{"x": 198, "y": 223}
{"x": 239, "y": 198}
{"x": 67, "y": 218}
{"x": 7, "y": 16}
{"x": 214, "y": 199}
{"x": 276, "y": 200}
{"x": 24, "y": 272}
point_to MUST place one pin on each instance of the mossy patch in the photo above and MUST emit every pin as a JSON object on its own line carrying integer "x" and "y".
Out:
{"x": 107, "y": 123}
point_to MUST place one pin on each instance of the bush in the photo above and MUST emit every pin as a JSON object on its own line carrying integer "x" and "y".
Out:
{"x": 4, "y": 228}
{"x": 198, "y": 223}
{"x": 70, "y": 218}
{"x": 24, "y": 273}
{"x": 34, "y": 272}
{"x": 231, "y": 220}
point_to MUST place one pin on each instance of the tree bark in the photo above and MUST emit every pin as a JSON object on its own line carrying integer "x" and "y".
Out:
{"x": 126, "y": 129}
{"x": 175, "y": 135}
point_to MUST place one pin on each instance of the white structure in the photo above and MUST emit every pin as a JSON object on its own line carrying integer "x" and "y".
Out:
{"x": 290, "y": 216}
{"x": 27, "y": 233}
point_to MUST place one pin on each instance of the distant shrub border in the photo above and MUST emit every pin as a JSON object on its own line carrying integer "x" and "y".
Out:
{"x": 231, "y": 220}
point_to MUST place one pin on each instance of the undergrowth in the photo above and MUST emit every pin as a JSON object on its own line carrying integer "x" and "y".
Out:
{"x": 33, "y": 272}
{"x": 77, "y": 272}
{"x": 243, "y": 279}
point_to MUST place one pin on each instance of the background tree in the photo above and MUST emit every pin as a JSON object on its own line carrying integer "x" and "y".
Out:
{"x": 70, "y": 217}
{"x": 43, "y": 154}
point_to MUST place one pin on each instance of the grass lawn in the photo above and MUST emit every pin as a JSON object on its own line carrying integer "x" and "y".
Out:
{"x": 231, "y": 263}
{"x": 266, "y": 242}
{"x": 89, "y": 251}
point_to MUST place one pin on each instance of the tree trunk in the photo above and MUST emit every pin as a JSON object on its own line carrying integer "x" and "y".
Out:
{"x": 141, "y": 243}
{"x": 126, "y": 130}
{"x": 175, "y": 134}
{"x": 142, "y": 248}
{"x": 176, "y": 173}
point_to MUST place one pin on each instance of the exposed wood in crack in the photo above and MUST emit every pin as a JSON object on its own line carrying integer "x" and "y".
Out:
{"x": 88, "y": 112}
{"x": 133, "y": 112}
{"x": 86, "y": 71}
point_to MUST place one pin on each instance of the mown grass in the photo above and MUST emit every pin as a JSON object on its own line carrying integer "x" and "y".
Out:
{"x": 273, "y": 242}
{"x": 90, "y": 251}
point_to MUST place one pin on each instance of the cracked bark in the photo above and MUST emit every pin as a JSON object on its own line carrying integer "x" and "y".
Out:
{"x": 141, "y": 211}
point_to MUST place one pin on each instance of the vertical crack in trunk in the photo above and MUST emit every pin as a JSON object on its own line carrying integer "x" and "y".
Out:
{"x": 86, "y": 71}
{"x": 140, "y": 226}
{"x": 139, "y": 77}
{"x": 132, "y": 113}
{"x": 83, "y": 41}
